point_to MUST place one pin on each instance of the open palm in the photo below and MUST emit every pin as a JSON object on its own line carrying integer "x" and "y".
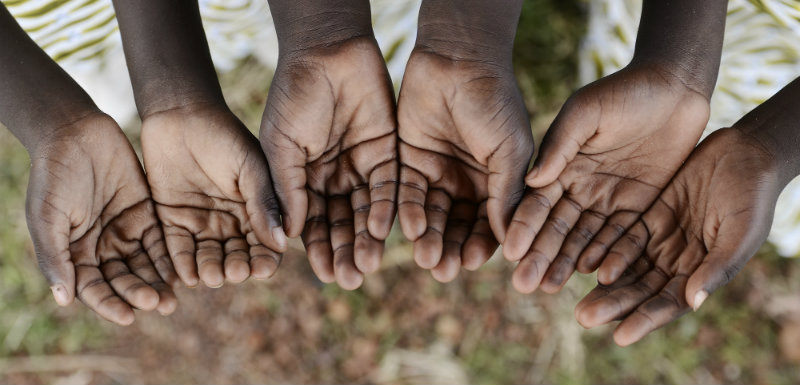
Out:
{"x": 213, "y": 195}
{"x": 465, "y": 144}
{"x": 709, "y": 221}
{"x": 329, "y": 133}
{"x": 93, "y": 224}
{"x": 611, "y": 150}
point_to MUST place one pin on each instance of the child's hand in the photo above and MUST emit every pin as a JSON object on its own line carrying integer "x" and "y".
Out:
{"x": 93, "y": 224}
{"x": 329, "y": 133}
{"x": 213, "y": 195}
{"x": 465, "y": 144}
{"x": 709, "y": 221}
{"x": 613, "y": 147}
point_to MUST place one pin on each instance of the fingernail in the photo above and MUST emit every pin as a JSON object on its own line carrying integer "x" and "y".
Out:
{"x": 60, "y": 294}
{"x": 532, "y": 174}
{"x": 699, "y": 298}
{"x": 280, "y": 237}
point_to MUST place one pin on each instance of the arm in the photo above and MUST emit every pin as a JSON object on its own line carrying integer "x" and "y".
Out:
{"x": 303, "y": 25}
{"x": 208, "y": 176}
{"x": 88, "y": 207}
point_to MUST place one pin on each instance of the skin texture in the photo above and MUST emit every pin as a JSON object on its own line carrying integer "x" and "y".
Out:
{"x": 709, "y": 221}
{"x": 615, "y": 144}
{"x": 465, "y": 139}
{"x": 89, "y": 209}
{"x": 208, "y": 175}
{"x": 329, "y": 133}
{"x": 93, "y": 223}
{"x": 213, "y": 195}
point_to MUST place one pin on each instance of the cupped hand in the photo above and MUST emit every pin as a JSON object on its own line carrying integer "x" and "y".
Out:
{"x": 329, "y": 132}
{"x": 213, "y": 194}
{"x": 611, "y": 150}
{"x": 465, "y": 145}
{"x": 93, "y": 224}
{"x": 709, "y": 221}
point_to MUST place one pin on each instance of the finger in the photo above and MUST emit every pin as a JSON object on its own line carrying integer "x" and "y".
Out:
{"x": 656, "y": 312}
{"x": 411, "y": 203}
{"x": 564, "y": 265}
{"x": 287, "y": 165}
{"x": 614, "y": 228}
{"x": 623, "y": 300}
{"x": 317, "y": 238}
{"x": 507, "y": 166}
{"x": 459, "y": 225}
{"x": 632, "y": 275}
{"x": 428, "y": 248}
{"x": 263, "y": 261}
{"x": 383, "y": 188}
{"x": 131, "y": 288}
{"x": 141, "y": 264}
{"x": 481, "y": 244}
{"x": 209, "y": 263}
{"x": 181, "y": 247}
{"x": 528, "y": 220}
{"x": 623, "y": 253}
{"x": 156, "y": 248}
{"x": 340, "y": 215}
{"x": 261, "y": 204}
{"x": 368, "y": 250}
{"x": 722, "y": 263}
{"x": 50, "y": 234}
{"x": 237, "y": 260}
{"x": 573, "y": 126}
{"x": 94, "y": 291}
{"x": 530, "y": 271}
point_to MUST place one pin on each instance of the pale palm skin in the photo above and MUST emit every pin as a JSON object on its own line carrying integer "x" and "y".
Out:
{"x": 93, "y": 222}
{"x": 465, "y": 144}
{"x": 329, "y": 132}
{"x": 708, "y": 222}
{"x": 213, "y": 194}
{"x": 613, "y": 147}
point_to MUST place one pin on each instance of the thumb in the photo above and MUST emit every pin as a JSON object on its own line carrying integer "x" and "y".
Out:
{"x": 261, "y": 203}
{"x": 49, "y": 230}
{"x": 570, "y": 130}
{"x": 287, "y": 167}
{"x": 506, "y": 181}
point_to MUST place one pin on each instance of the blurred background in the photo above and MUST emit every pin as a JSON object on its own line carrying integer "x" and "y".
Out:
{"x": 402, "y": 327}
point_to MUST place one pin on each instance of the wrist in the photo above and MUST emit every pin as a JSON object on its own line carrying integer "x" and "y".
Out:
{"x": 319, "y": 23}
{"x": 157, "y": 96}
{"x": 471, "y": 30}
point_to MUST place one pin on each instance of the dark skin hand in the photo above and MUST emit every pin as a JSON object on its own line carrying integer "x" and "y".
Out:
{"x": 329, "y": 133}
{"x": 89, "y": 209}
{"x": 616, "y": 144}
{"x": 208, "y": 175}
{"x": 709, "y": 221}
{"x": 465, "y": 138}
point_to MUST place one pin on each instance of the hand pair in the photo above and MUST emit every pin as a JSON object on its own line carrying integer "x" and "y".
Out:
{"x": 603, "y": 195}
{"x": 330, "y": 134}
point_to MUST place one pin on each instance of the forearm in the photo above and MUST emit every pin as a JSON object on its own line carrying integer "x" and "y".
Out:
{"x": 301, "y": 25}
{"x": 776, "y": 126}
{"x": 167, "y": 54}
{"x": 36, "y": 95}
{"x": 476, "y": 30}
{"x": 686, "y": 36}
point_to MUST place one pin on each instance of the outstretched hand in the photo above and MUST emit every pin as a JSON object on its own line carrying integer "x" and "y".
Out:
{"x": 465, "y": 144}
{"x": 611, "y": 150}
{"x": 93, "y": 224}
{"x": 329, "y": 132}
{"x": 213, "y": 194}
{"x": 709, "y": 221}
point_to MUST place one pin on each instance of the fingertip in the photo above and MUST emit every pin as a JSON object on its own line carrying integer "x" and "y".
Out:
{"x": 522, "y": 282}
{"x": 126, "y": 318}
{"x": 380, "y": 220}
{"x": 623, "y": 339}
{"x": 61, "y": 295}
{"x": 349, "y": 280}
{"x": 607, "y": 274}
{"x": 280, "y": 238}
{"x": 167, "y": 304}
{"x": 413, "y": 223}
{"x": 237, "y": 272}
